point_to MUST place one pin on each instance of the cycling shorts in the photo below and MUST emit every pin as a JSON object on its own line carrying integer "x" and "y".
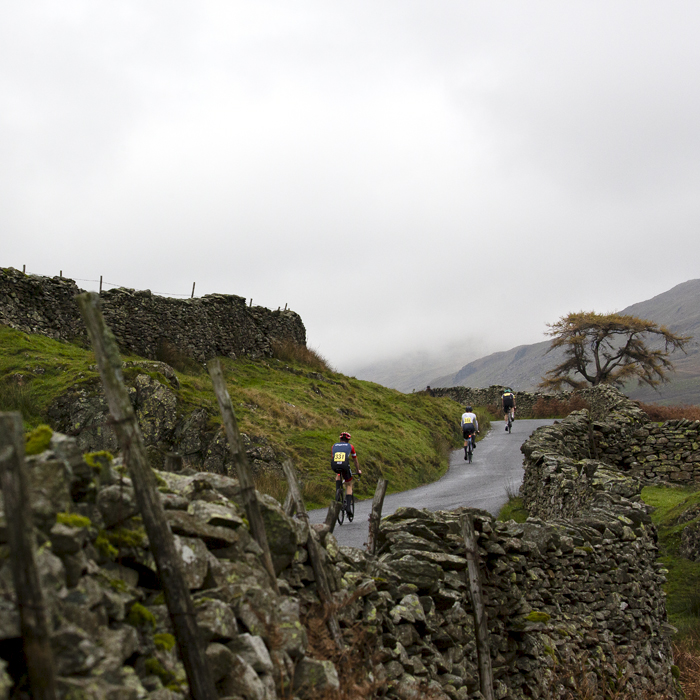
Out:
{"x": 344, "y": 472}
{"x": 508, "y": 402}
{"x": 468, "y": 429}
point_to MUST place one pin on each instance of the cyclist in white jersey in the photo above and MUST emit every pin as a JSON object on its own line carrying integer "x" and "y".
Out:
{"x": 470, "y": 427}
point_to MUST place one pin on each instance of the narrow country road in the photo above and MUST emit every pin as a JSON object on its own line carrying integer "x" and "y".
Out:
{"x": 496, "y": 469}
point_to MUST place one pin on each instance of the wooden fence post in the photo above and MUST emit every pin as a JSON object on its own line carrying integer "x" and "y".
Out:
{"x": 314, "y": 548}
{"x": 332, "y": 514}
{"x": 20, "y": 534}
{"x": 375, "y": 516}
{"x": 175, "y": 590}
{"x": 243, "y": 471}
{"x": 192, "y": 295}
{"x": 289, "y": 506}
{"x": 480, "y": 628}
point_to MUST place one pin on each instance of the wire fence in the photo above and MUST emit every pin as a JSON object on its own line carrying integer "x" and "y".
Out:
{"x": 103, "y": 283}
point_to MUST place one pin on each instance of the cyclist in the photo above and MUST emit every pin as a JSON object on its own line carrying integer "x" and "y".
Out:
{"x": 341, "y": 453}
{"x": 508, "y": 404}
{"x": 470, "y": 427}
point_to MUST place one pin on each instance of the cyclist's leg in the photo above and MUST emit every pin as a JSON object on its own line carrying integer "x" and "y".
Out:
{"x": 347, "y": 478}
{"x": 338, "y": 487}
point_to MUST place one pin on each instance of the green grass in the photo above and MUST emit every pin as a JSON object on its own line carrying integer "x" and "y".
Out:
{"x": 683, "y": 578}
{"x": 513, "y": 510}
{"x": 405, "y": 438}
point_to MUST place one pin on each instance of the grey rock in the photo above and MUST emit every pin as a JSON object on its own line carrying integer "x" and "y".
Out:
{"x": 220, "y": 659}
{"x": 215, "y": 620}
{"x": 313, "y": 678}
{"x": 253, "y": 651}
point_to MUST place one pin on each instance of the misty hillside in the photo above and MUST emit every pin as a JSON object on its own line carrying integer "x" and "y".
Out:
{"x": 415, "y": 370}
{"x": 523, "y": 367}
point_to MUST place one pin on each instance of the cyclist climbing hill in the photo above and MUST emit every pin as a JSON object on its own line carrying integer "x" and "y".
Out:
{"x": 470, "y": 427}
{"x": 341, "y": 453}
{"x": 508, "y": 403}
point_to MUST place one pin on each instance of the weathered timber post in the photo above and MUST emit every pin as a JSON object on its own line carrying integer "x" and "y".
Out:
{"x": 100, "y": 284}
{"x": 314, "y": 548}
{"x": 20, "y": 534}
{"x": 192, "y": 295}
{"x": 592, "y": 447}
{"x": 289, "y": 506}
{"x": 175, "y": 590}
{"x": 332, "y": 514}
{"x": 243, "y": 471}
{"x": 474, "y": 581}
{"x": 375, "y": 516}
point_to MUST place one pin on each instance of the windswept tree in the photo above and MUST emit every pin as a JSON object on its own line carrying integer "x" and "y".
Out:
{"x": 610, "y": 349}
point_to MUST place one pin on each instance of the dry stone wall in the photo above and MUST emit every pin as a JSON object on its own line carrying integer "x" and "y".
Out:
{"x": 614, "y": 430}
{"x": 571, "y": 603}
{"x": 145, "y": 324}
{"x": 491, "y": 396}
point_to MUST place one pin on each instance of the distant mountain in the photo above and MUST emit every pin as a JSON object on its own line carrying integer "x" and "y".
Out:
{"x": 414, "y": 370}
{"x": 524, "y": 366}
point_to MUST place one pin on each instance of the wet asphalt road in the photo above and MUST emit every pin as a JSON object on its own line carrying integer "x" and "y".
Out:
{"x": 497, "y": 468}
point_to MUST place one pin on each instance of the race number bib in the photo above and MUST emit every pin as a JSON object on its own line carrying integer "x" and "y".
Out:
{"x": 339, "y": 457}
{"x": 468, "y": 419}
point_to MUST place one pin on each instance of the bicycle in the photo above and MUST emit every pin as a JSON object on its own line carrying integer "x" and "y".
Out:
{"x": 470, "y": 447}
{"x": 340, "y": 498}
{"x": 510, "y": 423}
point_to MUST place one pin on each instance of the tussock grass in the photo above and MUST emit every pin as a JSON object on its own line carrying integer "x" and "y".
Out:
{"x": 289, "y": 351}
{"x": 686, "y": 654}
{"x": 550, "y": 407}
{"x": 659, "y": 413}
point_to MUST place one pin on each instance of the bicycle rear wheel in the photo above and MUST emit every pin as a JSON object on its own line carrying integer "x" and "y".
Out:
{"x": 510, "y": 425}
{"x": 469, "y": 452}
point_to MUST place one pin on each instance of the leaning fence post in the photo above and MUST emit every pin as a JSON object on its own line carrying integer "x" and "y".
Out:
{"x": 175, "y": 590}
{"x": 20, "y": 534}
{"x": 482, "y": 643}
{"x": 243, "y": 471}
{"x": 289, "y": 506}
{"x": 314, "y": 548}
{"x": 375, "y": 516}
{"x": 332, "y": 514}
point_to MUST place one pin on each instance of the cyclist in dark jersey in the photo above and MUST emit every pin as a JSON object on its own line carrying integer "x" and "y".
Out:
{"x": 508, "y": 403}
{"x": 341, "y": 454}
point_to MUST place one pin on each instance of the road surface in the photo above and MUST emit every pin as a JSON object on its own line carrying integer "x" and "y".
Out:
{"x": 496, "y": 469}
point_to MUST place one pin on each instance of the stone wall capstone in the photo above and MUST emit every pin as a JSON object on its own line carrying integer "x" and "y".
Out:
{"x": 143, "y": 323}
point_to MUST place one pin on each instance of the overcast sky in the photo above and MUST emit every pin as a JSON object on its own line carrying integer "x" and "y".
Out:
{"x": 405, "y": 175}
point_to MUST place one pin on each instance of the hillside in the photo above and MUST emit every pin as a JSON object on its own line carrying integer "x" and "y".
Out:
{"x": 523, "y": 367}
{"x": 283, "y": 407}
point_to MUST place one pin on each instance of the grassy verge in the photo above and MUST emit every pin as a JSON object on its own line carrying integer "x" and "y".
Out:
{"x": 671, "y": 515}
{"x": 297, "y": 403}
{"x": 683, "y": 578}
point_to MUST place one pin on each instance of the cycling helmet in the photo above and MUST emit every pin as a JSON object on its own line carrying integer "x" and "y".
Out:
{"x": 468, "y": 409}
{"x": 345, "y": 436}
